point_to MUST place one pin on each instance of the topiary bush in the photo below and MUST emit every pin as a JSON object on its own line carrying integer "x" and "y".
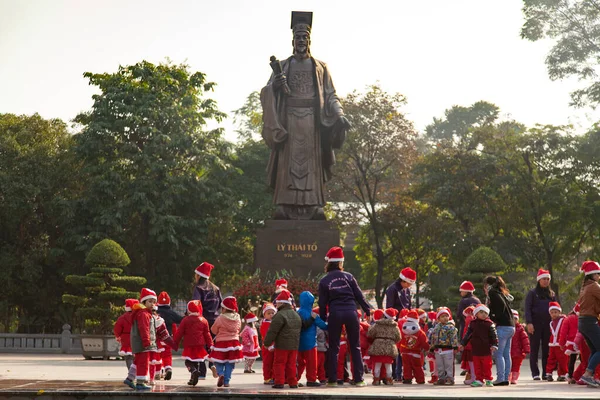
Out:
{"x": 482, "y": 262}
{"x": 99, "y": 296}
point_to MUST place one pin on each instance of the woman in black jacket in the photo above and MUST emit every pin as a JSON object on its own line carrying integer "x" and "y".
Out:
{"x": 498, "y": 301}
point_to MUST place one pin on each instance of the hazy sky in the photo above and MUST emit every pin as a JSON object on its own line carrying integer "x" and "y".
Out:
{"x": 436, "y": 52}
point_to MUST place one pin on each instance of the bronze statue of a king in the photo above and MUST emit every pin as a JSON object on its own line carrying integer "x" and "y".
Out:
{"x": 303, "y": 123}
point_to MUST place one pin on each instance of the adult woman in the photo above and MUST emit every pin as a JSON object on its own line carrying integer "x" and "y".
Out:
{"x": 209, "y": 295}
{"x": 589, "y": 309}
{"x": 339, "y": 293}
{"x": 538, "y": 321}
{"x": 498, "y": 301}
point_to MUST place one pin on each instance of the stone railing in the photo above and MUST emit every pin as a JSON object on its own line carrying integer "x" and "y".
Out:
{"x": 65, "y": 343}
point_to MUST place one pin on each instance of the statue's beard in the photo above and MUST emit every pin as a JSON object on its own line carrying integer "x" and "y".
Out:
{"x": 302, "y": 51}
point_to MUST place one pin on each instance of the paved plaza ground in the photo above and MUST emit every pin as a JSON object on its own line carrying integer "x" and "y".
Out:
{"x": 65, "y": 375}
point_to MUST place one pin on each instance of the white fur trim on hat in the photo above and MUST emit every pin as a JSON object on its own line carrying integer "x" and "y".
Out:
{"x": 542, "y": 276}
{"x": 284, "y": 301}
{"x": 443, "y": 311}
{"x": 127, "y": 308}
{"x": 148, "y": 297}
{"x": 404, "y": 278}
{"x": 251, "y": 320}
{"x": 481, "y": 307}
{"x": 416, "y": 321}
{"x": 267, "y": 308}
{"x": 554, "y": 308}
{"x": 202, "y": 275}
{"x": 388, "y": 316}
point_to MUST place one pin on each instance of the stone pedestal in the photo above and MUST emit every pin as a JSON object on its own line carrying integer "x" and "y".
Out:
{"x": 295, "y": 245}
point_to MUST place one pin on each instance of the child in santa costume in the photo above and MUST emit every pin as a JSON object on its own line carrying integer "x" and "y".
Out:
{"x": 172, "y": 319}
{"x": 155, "y": 355}
{"x": 467, "y": 354}
{"x": 195, "y": 333}
{"x": 322, "y": 346}
{"x": 566, "y": 340}
{"x": 444, "y": 343}
{"x": 413, "y": 344}
{"x": 227, "y": 350}
{"x": 284, "y": 333}
{"x": 384, "y": 334}
{"x": 430, "y": 357}
{"x": 122, "y": 331}
{"x": 249, "y": 339}
{"x": 307, "y": 349}
{"x": 556, "y": 357}
{"x": 281, "y": 284}
{"x": 364, "y": 342}
{"x": 268, "y": 311}
{"x": 481, "y": 333}
{"x": 518, "y": 350}
{"x": 143, "y": 339}
{"x": 398, "y": 362}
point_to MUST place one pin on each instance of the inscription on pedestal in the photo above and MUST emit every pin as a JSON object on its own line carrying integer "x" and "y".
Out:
{"x": 299, "y": 246}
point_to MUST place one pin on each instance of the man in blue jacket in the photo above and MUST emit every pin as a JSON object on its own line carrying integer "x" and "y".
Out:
{"x": 307, "y": 350}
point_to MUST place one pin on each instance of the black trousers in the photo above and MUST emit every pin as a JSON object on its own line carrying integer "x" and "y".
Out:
{"x": 540, "y": 337}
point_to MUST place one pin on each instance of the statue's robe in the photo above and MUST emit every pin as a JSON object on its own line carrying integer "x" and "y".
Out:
{"x": 301, "y": 131}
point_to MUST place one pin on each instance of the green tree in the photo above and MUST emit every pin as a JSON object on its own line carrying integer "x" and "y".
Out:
{"x": 100, "y": 295}
{"x": 154, "y": 177}
{"x": 373, "y": 164}
{"x": 35, "y": 170}
{"x": 481, "y": 263}
{"x": 574, "y": 25}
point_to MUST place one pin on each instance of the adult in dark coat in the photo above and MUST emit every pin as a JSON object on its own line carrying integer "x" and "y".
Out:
{"x": 467, "y": 299}
{"x": 209, "y": 295}
{"x": 397, "y": 295}
{"x": 537, "y": 318}
{"x": 339, "y": 292}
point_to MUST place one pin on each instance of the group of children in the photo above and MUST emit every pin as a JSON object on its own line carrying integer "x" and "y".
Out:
{"x": 294, "y": 342}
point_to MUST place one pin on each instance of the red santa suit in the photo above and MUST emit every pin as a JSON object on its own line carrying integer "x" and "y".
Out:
{"x": 412, "y": 345}
{"x": 249, "y": 339}
{"x": 122, "y": 331}
{"x": 567, "y": 333}
{"x": 557, "y": 359}
{"x": 267, "y": 354}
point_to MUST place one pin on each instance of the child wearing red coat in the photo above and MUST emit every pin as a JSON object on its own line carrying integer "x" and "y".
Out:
{"x": 566, "y": 340}
{"x": 249, "y": 339}
{"x": 557, "y": 359}
{"x": 518, "y": 350}
{"x": 412, "y": 345}
{"x": 143, "y": 338}
{"x": 122, "y": 331}
{"x": 195, "y": 333}
{"x": 364, "y": 341}
{"x": 268, "y": 311}
{"x": 467, "y": 354}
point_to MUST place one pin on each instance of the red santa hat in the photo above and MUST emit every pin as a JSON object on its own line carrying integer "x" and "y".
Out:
{"x": 129, "y": 303}
{"x": 194, "y": 307}
{"x": 432, "y": 315}
{"x": 467, "y": 286}
{"x": 335, "y": 254}
{"x": 422, "y": 313}
{"x": 268, "y": 306}
{"x": 412, "y": 316}
{"x": 230, "y": 303}
{"x": 515, "y": 314}
{"x": 284, "y": 297}
{"x": 377, "y": 315}
{"x": 250, "y": 318}
{"x": 554, "y": 306}
{"x": 147, "y": 294}
{"x": 468, "y": 311}
{"x": 281, "y": 283}
{"x": 408, "y": 275}
{"x": 481, "y": 307}
{"x": 576, "y": 308}
{"x": 404, "y": 312}
{"x": 543, "y": 273}
{"x": 390, "y": 313}
{"x": 315, "y": 310}
{"x": 204, "y": 269}
{"x": 164, "y": 299}
{"x": 590, "y": 267}
{"x": 443, "y": 310}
